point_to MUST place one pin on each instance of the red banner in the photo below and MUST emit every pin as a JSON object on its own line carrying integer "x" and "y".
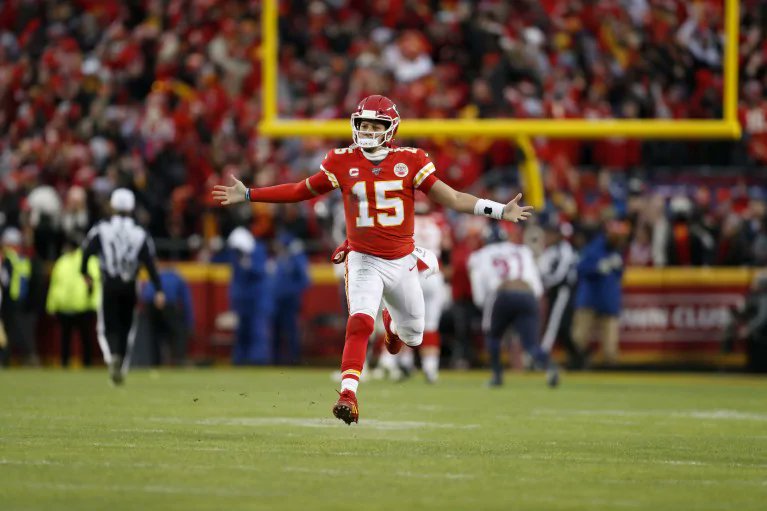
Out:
{"x": 680, "y": 315}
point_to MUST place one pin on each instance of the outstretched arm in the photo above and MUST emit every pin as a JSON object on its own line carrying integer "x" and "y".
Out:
{"x": 292, "y": 192}
{"x": 444, "y": 194}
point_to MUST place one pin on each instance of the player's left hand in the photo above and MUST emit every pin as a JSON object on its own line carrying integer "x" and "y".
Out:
{"x": 513, "y": 212}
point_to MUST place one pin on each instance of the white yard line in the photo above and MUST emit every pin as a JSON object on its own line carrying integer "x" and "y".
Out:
{"x": 134, "y": 465}
{"x": 138, "y": 430}
{"x": 154, "y": 488}
{"x": 400, "y": 473}
{"x": 733, "y": 415}
{"x": 312, "y": 423}
{"x": 601, "y": 460}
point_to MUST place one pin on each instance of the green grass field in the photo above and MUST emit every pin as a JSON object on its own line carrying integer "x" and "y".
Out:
{"x": 224, "y": 439}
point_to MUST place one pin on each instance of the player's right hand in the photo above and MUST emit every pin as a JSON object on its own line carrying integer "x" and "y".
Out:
{"x": 230, "y": 194}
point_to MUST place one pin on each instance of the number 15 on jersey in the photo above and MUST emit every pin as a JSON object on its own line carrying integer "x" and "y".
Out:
{"x": 382, "y": 201}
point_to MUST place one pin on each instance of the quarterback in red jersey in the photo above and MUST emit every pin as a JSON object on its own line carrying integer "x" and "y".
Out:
{"x": 378, "y": 181}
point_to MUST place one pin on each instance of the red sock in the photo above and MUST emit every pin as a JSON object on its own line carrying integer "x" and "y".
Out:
{"x": 430, "y": 340}
{"x": 358, "y": 330}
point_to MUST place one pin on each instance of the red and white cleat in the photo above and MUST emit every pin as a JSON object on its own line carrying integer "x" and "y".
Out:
{"x": 392, "y": 341}
{"x": 346, "y": 408}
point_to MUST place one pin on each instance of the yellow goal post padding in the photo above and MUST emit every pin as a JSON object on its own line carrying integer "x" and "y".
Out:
{"x": 727, "y": 127}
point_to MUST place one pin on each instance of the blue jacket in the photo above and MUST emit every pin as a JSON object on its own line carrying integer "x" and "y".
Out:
{"x": 292, "y": 272}
{"x": 251, "y": 279}
{"x": 600, "y": 275}
{"x": 176, "y": 293}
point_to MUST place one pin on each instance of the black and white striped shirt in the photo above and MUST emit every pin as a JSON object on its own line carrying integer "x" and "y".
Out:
{"x": 122, "y": 247}
{"x": 558, "y": 265}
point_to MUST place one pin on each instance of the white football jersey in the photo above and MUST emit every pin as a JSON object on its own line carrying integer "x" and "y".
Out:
{"x": 498, "y": 262}
{"x": 428, "y": 233}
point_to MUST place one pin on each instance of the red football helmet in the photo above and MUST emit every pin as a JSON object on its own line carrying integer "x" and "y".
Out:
{"x": 375, "y": 108}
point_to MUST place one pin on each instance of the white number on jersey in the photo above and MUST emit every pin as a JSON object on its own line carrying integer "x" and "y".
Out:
{"x": 360, "y": 189}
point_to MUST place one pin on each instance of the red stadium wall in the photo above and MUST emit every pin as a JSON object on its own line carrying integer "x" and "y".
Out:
{"x": 669, "y": 316}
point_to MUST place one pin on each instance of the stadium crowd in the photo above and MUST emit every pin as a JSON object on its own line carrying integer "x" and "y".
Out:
{"x": 164, "y": 99}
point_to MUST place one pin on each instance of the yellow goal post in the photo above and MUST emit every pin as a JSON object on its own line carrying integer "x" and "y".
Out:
{"x": 728, "y": 127}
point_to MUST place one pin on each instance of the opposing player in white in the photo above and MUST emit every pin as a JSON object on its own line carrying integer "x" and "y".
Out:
{"x": 430, "y": 234}
{"x": 506, "y": 285}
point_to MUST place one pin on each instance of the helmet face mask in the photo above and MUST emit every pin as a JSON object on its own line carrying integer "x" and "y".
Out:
{"x": 371, "y": 138}
{"x": 378, "y": 109}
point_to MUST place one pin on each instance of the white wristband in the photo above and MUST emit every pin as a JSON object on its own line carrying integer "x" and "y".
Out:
{"x": 490, "y": 208}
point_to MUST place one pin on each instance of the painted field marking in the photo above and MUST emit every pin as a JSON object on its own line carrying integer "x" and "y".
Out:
{"x": 313, "y": 423}
{"x": 686, "y": 414}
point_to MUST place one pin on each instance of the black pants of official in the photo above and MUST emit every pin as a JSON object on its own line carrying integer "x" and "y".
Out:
{"x": 116, "y": 316}
{"x": 82, "y": 322}
{"x": 559, "y": 320}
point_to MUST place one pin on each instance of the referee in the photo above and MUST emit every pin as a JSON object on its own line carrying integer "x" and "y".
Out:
{"x": 121, "y": 246}
{"x": 559, "y": 274}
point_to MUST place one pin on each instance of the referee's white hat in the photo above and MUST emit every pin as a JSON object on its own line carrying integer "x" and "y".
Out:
{"x": 123, "y": 200}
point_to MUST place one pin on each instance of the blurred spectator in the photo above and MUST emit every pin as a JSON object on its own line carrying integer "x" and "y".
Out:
{"x": 16, "y": 275}
{"x": 598, "y": 296}
{"x": 760, "y": 244}
{"x": 251, "y": 299}
{"x": 640, "y": 248}
{"x": 750, "y": 323}
{"x": 71, "y": 302}
{"x": 167, "y": 329}
{"x": 689, "y": 243}
{"x": 755, "y": 330}
{"x": 75, "y": 220}
{"x": 733, "y": 248}
{"x": 45, "y": 218}
{"x": 291, "y": 279}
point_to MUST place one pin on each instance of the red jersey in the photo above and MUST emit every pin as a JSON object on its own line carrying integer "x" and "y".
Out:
{"x": 379, "y": 197}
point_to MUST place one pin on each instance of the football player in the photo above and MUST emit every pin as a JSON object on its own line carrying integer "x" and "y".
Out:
{"x": 506, "y": 285}
{"x": 378, "y": 181}
{"x": 430, "y": 234}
